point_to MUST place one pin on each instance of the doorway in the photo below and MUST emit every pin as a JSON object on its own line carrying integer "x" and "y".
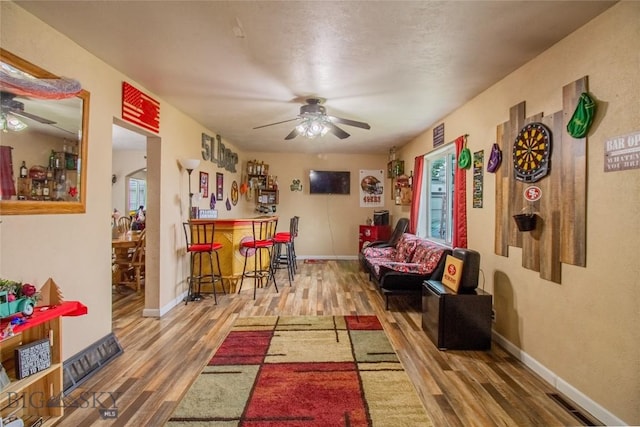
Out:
{"x": 128, "y": 193}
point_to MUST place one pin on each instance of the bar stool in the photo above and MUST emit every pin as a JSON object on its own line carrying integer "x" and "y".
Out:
{"x": 285, "y": 240}
{"x": 260, "y": 246}
{"x": 199, "y": 237}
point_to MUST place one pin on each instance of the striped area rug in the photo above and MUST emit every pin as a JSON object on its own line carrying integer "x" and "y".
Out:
{"x": 303, "y": 371}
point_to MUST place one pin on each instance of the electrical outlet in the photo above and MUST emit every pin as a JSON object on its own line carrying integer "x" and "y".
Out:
{"x": 493, "y": 315}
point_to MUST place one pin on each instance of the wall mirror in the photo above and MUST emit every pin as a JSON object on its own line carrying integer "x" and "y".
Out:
{"x": 43, "y": 146}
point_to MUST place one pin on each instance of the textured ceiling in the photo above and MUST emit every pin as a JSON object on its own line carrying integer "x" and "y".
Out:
{"x": 234, "y": 65}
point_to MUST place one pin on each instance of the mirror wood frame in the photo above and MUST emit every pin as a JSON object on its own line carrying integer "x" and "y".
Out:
{"x": 34, "y": 207}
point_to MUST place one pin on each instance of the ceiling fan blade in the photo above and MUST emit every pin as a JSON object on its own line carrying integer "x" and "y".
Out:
{"x": 362, "y": 125}
{"x": 337, "y": 131}
{"x": 276, "y": 123}
{"x": 30, "y": 116}
{"x": 292, "y": 134}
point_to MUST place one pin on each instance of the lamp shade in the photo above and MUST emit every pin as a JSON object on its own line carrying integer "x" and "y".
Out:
{"x": 189, "y": 164}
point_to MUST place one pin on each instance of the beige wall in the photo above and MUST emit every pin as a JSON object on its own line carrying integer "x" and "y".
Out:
{"x": 75, "y": 249}
{"x": 582, "y": 334}
{"x": 328, "y": 223}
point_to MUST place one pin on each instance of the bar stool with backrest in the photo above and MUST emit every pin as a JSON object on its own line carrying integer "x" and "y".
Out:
{"x": 260, "y": 246}
{"x": 200, "y": 241}
{"x": 283, "y": 241}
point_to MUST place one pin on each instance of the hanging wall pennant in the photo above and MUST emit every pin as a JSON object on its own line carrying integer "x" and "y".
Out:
{"x": 478, "y": 178}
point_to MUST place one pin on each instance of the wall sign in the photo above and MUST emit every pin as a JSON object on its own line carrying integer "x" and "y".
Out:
{"x": 438, "y": 135}
{"x": 217, "y": 153}
{"x": 139, "y": 108}
{"x": 32, "y": 358}
{"x": 532, "y": 193}
{"x": 622, "y": 152}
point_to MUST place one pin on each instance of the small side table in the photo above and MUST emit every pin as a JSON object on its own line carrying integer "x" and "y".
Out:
{"x": 372, "y": 233}
{"x": 456, "y": 321}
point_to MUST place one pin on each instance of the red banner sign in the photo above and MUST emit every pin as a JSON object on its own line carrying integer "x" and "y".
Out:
{"x": 139, "y": 108}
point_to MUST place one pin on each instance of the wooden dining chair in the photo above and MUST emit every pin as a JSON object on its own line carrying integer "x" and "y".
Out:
{"x": 130, "y": 265}
{"x": 124, "y": 224}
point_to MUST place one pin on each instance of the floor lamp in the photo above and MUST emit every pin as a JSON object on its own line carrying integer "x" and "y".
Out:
{"x": 189, "y": 165}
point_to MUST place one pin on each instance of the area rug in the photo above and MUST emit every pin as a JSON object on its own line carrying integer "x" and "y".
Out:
{"x": 306, "y": 371}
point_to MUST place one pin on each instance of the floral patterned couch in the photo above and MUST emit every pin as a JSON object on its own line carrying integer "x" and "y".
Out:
{"x": 403, "y": 268}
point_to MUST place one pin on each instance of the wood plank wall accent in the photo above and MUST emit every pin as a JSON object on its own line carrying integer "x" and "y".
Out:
{"x": 573, "y": 223}
{"x": 560, "y": 235}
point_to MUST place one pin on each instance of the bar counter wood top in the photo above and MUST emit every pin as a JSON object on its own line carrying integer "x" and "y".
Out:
{"x": 230, "y": 232}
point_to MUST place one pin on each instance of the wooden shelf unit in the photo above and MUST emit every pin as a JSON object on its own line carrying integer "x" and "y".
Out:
{"x": 39, "y": 395}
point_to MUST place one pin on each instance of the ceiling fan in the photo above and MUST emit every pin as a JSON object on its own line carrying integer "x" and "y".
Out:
{"x": 11, "y": 106}
{"x": 314, "y": 122}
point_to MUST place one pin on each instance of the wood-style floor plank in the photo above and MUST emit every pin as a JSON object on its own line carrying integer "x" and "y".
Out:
{"x": 162, "y": 357}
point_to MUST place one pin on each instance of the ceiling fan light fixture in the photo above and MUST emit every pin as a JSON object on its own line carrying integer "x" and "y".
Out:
{"x": 313, "y": 122}
{"x": 313, "y": 126}
{"x": 9, "y": 122}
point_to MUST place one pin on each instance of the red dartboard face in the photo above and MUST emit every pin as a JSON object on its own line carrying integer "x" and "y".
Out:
{"x": 531, "y": 151}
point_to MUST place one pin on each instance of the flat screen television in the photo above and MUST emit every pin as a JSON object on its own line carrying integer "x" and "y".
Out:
{"x": 329, "y": 182}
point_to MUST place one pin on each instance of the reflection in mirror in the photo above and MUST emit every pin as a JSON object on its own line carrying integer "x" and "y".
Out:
{"x": 43, "y": 142}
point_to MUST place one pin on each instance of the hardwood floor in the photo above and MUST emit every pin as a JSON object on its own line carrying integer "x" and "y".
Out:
{"x": 163, "y": 356}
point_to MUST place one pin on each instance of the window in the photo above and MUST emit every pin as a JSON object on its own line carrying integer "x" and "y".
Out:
{"x": 435, "y": 218}
{"x": 137, "y": 194}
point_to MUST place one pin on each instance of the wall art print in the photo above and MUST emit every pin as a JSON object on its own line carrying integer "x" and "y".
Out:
{"x": 204, "y": 184}
{"x": 219, "y": 186}
{"x": 371, "y": 188}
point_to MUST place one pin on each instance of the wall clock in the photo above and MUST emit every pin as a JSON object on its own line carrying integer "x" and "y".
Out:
{"x": 531, "y": 151}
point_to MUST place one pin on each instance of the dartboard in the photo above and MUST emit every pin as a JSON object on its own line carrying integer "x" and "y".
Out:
{"x": 531, "y": 151}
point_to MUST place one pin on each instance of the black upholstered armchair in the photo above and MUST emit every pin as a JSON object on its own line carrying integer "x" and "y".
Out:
{"x": 401, "y": 227}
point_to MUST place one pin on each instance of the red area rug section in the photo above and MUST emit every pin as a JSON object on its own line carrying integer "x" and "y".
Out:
{"x": 303, "y": 371}
{"x": 316, "y": 387}
{"x": 363, "y": 323}
{"x": 243, "y": 348}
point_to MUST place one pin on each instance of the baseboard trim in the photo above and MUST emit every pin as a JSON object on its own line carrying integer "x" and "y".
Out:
{"x": 595, "y": 409}
{"x": 159, "y": 312}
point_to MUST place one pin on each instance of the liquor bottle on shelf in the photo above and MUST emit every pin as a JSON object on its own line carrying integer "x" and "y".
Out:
{"x": 52, "y": 160}
{"x": 23, "y": 170}
{"x": 45, "y": 190}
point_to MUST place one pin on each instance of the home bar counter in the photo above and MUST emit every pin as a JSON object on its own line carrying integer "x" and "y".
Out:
{"x": 229, "y": 233}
